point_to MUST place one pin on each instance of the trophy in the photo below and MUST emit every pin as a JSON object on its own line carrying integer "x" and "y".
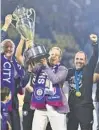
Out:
{"x": 25, "y": 22}
{"x": 35, "y": 54}
{"x": 25, "y": 25}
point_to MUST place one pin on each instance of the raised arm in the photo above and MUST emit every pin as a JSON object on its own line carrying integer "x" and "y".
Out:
{"x": 94, "y": 58}
{"x": 18, "y": 53}
{"x": 8, "y": 20}
{"x": 19, "y": 50}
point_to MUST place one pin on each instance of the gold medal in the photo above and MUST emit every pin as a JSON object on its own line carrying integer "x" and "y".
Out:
{"x": 78, "y": 94}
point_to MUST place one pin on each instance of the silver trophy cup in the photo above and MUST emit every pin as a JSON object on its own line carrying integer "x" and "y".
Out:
{"x": 35, "y": 54}
{"x": 25, "y": 22}
{"x": 25, "y": 25}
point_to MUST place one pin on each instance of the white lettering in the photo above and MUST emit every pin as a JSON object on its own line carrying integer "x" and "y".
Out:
{"x": 7, "y": 72}
{"x": 6, "y": 64}
{"x": 8, "y": 80}
{"x": 41, "y": 81}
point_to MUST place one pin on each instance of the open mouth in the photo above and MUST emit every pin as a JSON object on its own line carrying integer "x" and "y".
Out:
{"x": 9, "y": 51}
{"x": 78, "y": 63}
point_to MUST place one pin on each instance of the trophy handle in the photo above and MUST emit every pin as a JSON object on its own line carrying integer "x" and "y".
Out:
{"x": 15, "y": 17}
{"x": 15, "y": 20}
{"x": 31, "y": 12}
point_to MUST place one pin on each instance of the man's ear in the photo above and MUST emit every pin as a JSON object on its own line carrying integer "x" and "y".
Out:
{"x": 86, "y": 61}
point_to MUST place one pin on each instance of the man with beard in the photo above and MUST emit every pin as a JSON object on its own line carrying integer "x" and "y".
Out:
{"x": 80, "y": 81}
{"x": 9, "y": 69}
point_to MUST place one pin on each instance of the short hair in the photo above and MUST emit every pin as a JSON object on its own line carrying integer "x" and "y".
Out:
{"x": 57, "y": 48}
{"x": 4, "y": 42}
{"x": 5, "y": 91}
{"x": 83, "y": 53}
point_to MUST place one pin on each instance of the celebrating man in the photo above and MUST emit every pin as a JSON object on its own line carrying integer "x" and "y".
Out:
{"x": 80, "y": 81}
{"x": 9, "y": 69}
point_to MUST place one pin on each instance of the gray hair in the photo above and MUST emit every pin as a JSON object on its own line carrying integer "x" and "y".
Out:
{"x": 2, "y": 45}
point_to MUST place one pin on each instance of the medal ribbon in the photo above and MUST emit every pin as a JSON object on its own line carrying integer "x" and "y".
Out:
{"x": 78, "y": 76}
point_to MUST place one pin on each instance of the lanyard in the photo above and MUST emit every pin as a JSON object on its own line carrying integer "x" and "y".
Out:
{"x": 78, "y": 76}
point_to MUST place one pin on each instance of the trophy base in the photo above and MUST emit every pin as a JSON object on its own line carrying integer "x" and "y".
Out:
{"x": 35, "y": 54}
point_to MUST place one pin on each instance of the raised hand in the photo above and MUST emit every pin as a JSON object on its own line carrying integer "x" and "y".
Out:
{"x": 93, "y": 38}
{"x": 8, "y": 20}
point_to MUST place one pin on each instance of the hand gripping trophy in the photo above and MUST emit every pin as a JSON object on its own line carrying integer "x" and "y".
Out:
{"x": 25, "y": 25}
